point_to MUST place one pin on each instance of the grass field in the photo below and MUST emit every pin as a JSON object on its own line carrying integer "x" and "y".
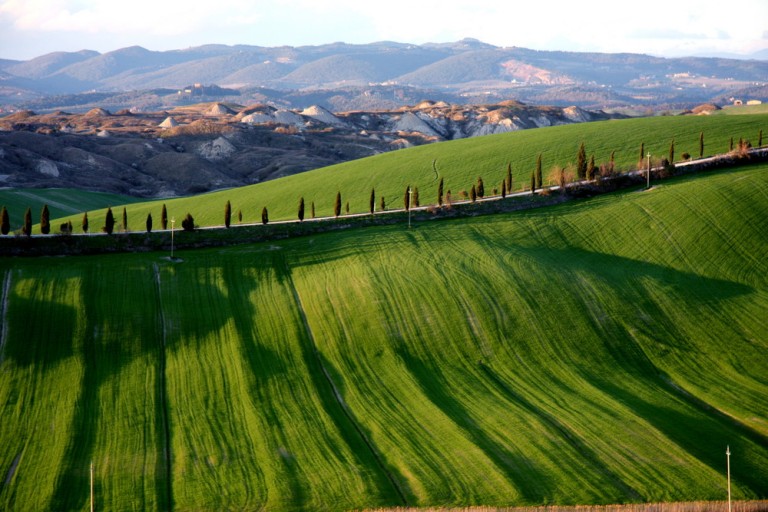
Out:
{"x": 601, "y": 351}
{"x": 459, "y": 163}
{"x": 61, "y": 203}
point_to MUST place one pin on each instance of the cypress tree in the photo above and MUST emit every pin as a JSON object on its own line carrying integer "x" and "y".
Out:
{"x": 440, "y": 193}
{"x": 730, "y": 145}
{"x": 164, "y": 218}
{"x": 301, "y": 209}
{"x": 612, "y": 162}
{"x": 85, "y": 222}
{"x": 346, "y": 208}
{"x": 533, "y": 182}
{"x": 239, "y": 215}
{"x": 264, "y": 215}
{"x": 508, "y": 179}
{"x": 109, "y": 222}
{"x": 581, "y": 162}
{"x": 45, "y": 220}
{"x": 760, "y": 138}
{"x": 372, "y": 202}
{"x": 416, "y": 201}
{"x": 149, "y": 223}
{"x": 473, "y": 194}
{"x": 701, "y": 144}
{"x": 312, "y": 209}
{"x": 503, "y": 189}
{"x": 337, "y": 205}
{"x": 27, "y": 227}
{"x": 642, "y": 151}
{"x": 480, "y": 188}
{"x": 382, "y": 204}
{"x": 125, "y": 220}
{"x": 5, "y": 222}
{"x": 538, "y": 170}
{"x": 227, "y": 214}
{"x": 672, "y": 152}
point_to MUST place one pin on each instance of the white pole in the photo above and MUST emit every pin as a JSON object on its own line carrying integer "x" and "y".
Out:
{"x": 92, "y": 504}
{"x": 173, "y": 221}
{"x": 410, "y": 192}
{"x": 648, "y": 174}
{"x": 728, "y": 457}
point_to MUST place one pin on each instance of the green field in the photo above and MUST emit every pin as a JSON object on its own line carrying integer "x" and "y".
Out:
{"x": 61, "y": 203}
{"x": 601, "y": 351}
{"x": 459, "y": 162}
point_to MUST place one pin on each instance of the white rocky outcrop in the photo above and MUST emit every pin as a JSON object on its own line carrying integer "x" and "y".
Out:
{"x": 169, "y": 122}
{"x": 48, "y": 168}
{"x": 410, "y": 122}
{"x": 576, "y": 115}
{"x": 219, "y": 109}
{"x": 216, "y": 150}
{"x": 289, "y": 118}
{"x": 324, "y": 116}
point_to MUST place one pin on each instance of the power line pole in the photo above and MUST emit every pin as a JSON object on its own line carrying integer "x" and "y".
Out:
{"x": 728, "y": 458}
{"x": 410, "y": 205}
{"x": 648, "y": 174}
{"x": 173, "y": 221}
{"x": 92, "y": 504}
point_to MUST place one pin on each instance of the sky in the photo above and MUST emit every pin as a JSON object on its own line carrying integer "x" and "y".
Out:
{"x": 30, "y": 28}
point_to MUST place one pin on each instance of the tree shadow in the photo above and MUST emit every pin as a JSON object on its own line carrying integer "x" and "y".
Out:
{"x": 104, "y": 357}
{"x": 535, "y": 486}
{"x": 327, "y": 382}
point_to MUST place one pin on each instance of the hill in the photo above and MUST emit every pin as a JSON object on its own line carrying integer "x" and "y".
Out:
{"x": 460, "y": 163}
{"x": 468, "y": 69}
{"x": 601, "y": 351}
{"x": 179, "y": 151}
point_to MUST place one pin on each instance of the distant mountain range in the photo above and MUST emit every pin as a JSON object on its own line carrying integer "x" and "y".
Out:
{"x": 385, "y": 73}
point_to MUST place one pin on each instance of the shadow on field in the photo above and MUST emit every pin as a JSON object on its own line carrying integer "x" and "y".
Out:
{"x": 88, "y": 333}
{"x": 633, "y": 303}
{"x": 244, "y": 281}
{"x": 702, "y": 433}
{"x": 535, "y": 486}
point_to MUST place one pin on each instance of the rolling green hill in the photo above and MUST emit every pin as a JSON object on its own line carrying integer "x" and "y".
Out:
{"x": 600, "y": 351}
{"x": 459, "y": 162}
{"x": 61, "y": 202}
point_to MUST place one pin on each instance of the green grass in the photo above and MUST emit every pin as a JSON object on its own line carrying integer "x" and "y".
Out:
{"x": 61, "y": 203}
{"x": 459, "y": 162}
{"x": 597, "y": 352}
{"x": 743, "y": 110}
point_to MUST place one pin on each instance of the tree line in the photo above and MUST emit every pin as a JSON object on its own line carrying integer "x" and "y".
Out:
{"x": 585, "y": 169}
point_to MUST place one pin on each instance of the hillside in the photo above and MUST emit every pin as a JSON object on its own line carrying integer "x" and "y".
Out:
{"x": 459, "y": 163}
{"x": 208, "y": 146}
{"x": 468, "y": 69}
{"x": 601, "y": 351}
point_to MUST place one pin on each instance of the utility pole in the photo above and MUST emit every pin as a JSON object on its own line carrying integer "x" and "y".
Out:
{"x": 728, "y": 458}
{"x": 92, "y": 504}
{"x": 173, "y": 221}
{"x": 648, "y": 174}
{"x": 410, "y": 205}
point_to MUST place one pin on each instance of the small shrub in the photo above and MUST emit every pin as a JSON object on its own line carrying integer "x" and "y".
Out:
{"x": 188, "y": 224}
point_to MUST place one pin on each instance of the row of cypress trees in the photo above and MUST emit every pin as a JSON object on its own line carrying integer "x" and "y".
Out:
{"x": 585, "y": 170}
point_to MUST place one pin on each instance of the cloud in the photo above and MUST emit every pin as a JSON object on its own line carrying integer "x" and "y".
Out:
{"x": 590, "y": 25}
{"x": 136, "y": 16}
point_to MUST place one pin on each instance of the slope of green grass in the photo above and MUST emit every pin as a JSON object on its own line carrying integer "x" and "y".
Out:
{"x": 61, "y": 203}
{"x": 460, "y": 163}
{"x": 596, "y": 352}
